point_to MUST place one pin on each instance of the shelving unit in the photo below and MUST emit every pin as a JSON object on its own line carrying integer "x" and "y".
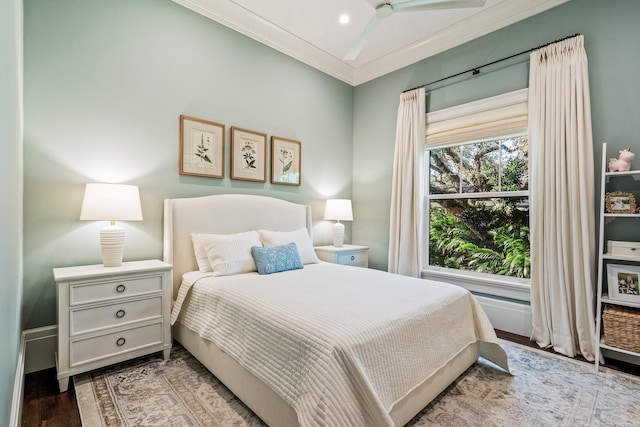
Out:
{"x": 611, "y": 181}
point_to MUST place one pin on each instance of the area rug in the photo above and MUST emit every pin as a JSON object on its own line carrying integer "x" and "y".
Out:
{"x": 544, "y": 390}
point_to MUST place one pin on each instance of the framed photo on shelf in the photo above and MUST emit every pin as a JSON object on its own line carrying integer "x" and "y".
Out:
{"x": 248, "y": 155}
{"x": 619, "y": 202}
{"x": 285, "y": 161}
{"x": 623, "y": 282}
{"x": 201, "y": 147}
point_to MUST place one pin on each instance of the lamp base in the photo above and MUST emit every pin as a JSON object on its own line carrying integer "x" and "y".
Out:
{"x": 112, "y": 245}
{"x": 338, "y": 234}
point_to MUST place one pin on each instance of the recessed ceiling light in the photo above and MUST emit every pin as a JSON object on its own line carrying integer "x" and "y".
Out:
{"x": 344, "y": 19}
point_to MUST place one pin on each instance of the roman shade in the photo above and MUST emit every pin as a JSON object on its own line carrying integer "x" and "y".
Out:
{"x": 490, "y": 118}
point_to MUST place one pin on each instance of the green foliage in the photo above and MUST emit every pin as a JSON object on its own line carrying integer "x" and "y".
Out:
{"x": 489, "y": 235}
{"x": 515, "y": 175}
{"x": 497, "y": 245}
{"x": 513, "y": 239}
{"x": 447, "y": 234}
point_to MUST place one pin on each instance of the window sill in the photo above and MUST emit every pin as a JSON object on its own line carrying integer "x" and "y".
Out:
{"x": 486, "y": 284}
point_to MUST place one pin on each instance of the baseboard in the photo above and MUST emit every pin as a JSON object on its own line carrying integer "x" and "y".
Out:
{"x": 507, "y": 315}
{"x": 37, "y": 349}
{"x": 616, "y": 355}
{"x": 18, "y": 387}
{"x": 40, "y": 348}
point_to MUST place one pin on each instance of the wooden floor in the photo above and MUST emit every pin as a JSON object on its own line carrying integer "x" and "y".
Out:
{"x": 44, "y": 406}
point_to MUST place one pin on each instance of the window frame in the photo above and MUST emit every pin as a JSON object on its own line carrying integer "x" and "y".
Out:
{"x": 512, "y": 288}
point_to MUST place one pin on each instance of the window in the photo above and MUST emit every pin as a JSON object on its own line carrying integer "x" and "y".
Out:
{"x": 478, "y": 207}
{"x": 477, "y": 201}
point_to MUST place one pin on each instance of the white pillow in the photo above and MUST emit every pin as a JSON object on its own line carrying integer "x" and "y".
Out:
{"x": 200, "y": 252}
{"x": 300, "y": 237}
{"x": 225, "y": 254}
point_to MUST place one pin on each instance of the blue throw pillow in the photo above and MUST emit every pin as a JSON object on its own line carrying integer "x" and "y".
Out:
{"x": 275, "y": 259}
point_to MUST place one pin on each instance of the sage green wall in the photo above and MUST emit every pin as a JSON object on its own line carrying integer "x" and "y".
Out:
{"x": 105, "y": 84}
{"x": 10, "y": 197}
{"x": 611, "y": 34}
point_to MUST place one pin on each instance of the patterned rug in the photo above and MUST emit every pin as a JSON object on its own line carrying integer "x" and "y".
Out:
{"x": 545, "y": 390}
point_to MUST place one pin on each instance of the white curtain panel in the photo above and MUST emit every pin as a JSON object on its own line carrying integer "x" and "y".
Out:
{"x": 562, "y": 198}
{"x": 405, "y": 234}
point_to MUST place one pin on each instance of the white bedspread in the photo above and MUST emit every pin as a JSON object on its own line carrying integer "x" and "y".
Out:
{"x": 340, "y": 344}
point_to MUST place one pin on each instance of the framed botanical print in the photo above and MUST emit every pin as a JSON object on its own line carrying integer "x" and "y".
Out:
{"x": 248, "y": 155}
{"x": 285, "y": 161}
{"x": 201, "y": 147}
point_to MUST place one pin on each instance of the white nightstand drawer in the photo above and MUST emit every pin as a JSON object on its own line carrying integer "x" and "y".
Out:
{"x": 84, "y": 292}
{"x": 93, "y": 318}
{"x": 110, "y": 345}
{"x": 345, "y": 255}
{"x": 352, "y": 258}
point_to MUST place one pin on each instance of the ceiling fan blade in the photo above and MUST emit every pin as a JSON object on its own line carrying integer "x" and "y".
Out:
{"x": 415, "y": 5}
{"x": 355, "y": 49}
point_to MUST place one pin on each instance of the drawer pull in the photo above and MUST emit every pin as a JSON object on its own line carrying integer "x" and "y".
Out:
{"x": 120, "y": 288}
{"x": 353, "y": 257}
{"x": 120, "y": 314}
{"x": 120, "y": 342}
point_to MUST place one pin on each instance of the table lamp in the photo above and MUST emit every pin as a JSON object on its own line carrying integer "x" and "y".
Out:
{"x": 111, "y": 202}
{"x": 338, "y": 210}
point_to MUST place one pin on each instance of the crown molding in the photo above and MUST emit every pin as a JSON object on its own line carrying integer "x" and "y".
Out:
{"x": 241, "y": 20}
{"x": 245, "y": 22}
{"x": 499, "y": 16}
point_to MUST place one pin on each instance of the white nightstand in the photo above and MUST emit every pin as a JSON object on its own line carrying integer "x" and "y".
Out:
{"x": 111, "y": 314}
{"x": 346, "y": 254}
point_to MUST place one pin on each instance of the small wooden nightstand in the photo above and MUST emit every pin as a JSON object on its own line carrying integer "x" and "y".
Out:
{"x": 111, "y": 314}
{"x": 346, "y": 254}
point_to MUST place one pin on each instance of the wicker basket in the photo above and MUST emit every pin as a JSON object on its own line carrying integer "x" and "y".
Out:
{"x": 622, "y": 327}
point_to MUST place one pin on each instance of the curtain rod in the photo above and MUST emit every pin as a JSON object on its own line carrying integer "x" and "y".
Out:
{"x": 476, "y": 70}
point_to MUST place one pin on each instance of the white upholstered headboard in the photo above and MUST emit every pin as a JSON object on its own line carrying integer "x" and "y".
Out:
{"x": 222, "y": 214}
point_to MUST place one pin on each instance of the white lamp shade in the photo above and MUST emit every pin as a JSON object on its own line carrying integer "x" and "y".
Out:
{"x": 338, "y": 210}
{"x": 111, "y": 202}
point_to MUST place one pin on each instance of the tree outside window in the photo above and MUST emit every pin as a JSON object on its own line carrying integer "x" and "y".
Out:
{"x": 478, "y": 206}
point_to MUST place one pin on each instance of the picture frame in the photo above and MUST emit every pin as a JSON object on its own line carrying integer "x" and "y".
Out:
{"x": 201, "y": 147}
{"x": 248, "y": 155}
{"x": 623, "y": 282}
{"x": 620, "y": 202}
{"x": 286, "y": 161}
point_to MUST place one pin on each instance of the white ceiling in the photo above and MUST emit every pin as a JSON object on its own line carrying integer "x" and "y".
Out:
{"x": 309, "y": 31}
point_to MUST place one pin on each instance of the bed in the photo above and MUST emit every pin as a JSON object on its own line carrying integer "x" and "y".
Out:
{"x": 318, "y": 343}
